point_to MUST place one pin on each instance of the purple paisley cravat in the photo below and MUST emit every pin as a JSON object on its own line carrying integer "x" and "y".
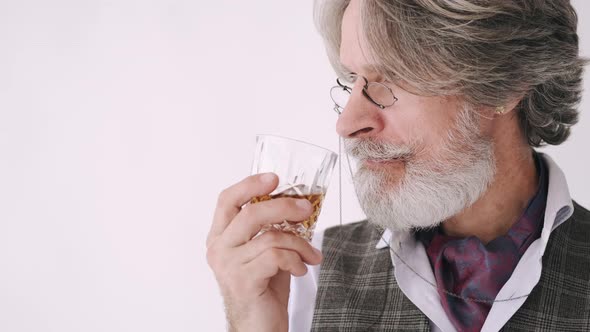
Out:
{"x": 471, "y": 269}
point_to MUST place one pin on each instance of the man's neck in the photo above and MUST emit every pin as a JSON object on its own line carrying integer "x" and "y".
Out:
{"x": 506, "y": 199}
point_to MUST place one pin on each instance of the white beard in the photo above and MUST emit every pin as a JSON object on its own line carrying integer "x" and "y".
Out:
{"x": 430, "y": 191}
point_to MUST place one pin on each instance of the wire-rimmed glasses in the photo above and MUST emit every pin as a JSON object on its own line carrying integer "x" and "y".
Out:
{"x": 377, "y": 93}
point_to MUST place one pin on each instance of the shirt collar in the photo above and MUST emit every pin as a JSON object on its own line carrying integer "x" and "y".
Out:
{"x": 559, "y": 202}
{"x": 558, "y": 209}
{"x": 384, "y": 240}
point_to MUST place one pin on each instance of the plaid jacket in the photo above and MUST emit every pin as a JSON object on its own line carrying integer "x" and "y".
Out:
{"x": 357, "y": 289}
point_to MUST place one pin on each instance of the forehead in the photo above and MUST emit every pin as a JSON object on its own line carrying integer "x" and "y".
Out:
{"x": 353, "y": 50}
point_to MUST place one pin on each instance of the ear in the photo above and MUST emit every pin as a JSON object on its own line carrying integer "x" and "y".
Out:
{"x": 510, "y": 105}
{"x": 493, "y": 113}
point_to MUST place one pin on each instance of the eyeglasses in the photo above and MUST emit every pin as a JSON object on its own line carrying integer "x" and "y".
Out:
{"x": 377, "y": 93}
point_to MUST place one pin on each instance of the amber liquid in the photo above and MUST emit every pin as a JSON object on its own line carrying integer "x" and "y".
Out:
{"x": 303, "y": 229}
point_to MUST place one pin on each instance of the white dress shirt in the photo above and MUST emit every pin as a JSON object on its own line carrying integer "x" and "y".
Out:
{"x": 526, "y": 275}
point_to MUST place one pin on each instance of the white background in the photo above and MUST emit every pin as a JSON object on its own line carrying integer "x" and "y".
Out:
{"x": 120, "y": 122}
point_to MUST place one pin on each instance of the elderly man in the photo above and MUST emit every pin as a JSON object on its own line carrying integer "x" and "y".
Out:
{"x": 469, "y": 228}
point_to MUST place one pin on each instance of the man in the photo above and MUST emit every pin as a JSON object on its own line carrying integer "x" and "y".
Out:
{"x": 469, "y": 228}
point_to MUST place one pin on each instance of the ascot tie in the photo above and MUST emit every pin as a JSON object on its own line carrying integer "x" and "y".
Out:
{"x": 471, "y": 269}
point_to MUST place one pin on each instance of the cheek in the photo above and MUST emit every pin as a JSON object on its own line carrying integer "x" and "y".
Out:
{"x": 418, "y": 125}
{"x": 434, "y": 119}
{"x": 421, "y": 120}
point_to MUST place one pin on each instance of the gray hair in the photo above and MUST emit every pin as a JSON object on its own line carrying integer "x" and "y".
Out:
{"x": 487, "y": 51}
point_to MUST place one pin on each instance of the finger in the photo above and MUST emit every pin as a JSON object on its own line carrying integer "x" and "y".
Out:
{"x": 253, "y": 216}
{"x": 270, "y": 262}
{"x": 280, "y": 240}
{"x": 233, "y": 198}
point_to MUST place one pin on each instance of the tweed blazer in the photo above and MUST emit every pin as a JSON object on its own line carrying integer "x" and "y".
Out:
{"x": 357, "y": 289}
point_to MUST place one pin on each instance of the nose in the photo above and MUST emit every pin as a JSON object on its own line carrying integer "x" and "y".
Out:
{"x": 360, "y": 118}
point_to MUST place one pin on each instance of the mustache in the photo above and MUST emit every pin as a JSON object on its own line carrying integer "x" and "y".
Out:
{"x": 364, "y": 149}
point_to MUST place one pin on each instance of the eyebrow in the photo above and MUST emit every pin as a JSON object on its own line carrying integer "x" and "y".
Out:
{"x": 371, "y": 69}
{"x": 368, "y": 69}
{"x": 365, "y": 68}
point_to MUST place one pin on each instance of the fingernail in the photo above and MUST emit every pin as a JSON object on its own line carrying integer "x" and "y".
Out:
{"x": 303, "y": 204}
{"x": 267, "y": 177}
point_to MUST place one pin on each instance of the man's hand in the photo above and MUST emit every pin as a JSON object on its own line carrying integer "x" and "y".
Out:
{"x": 254, "y": 274}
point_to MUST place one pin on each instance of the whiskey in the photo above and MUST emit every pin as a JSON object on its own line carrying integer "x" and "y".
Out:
{"x": 303, "y": 229}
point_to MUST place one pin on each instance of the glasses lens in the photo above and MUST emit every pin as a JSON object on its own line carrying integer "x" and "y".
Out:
{"x": 381, "y": 94}
{"x": 340, "y": 96}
